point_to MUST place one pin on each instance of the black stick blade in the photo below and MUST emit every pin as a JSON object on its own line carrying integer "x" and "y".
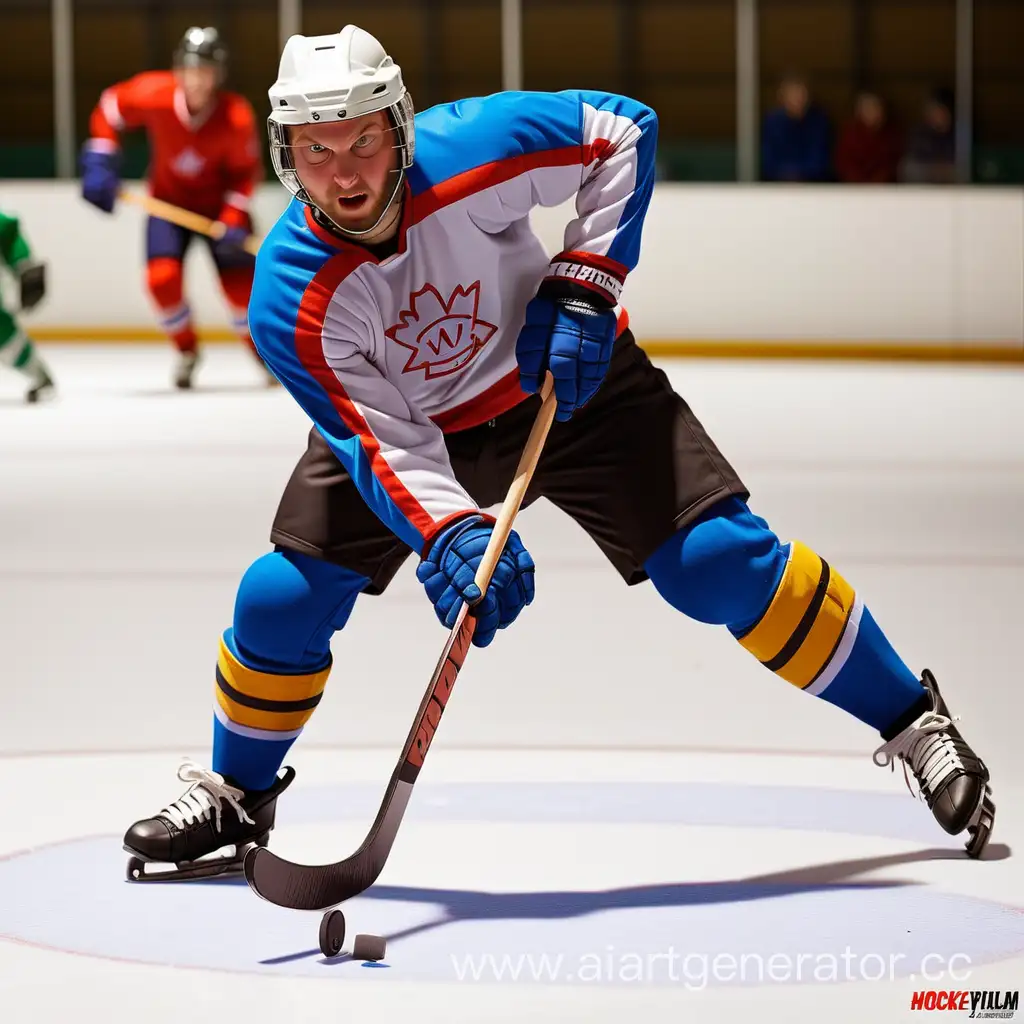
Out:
{"x": 319, "y": 886}
{"x": 306, "y": 887}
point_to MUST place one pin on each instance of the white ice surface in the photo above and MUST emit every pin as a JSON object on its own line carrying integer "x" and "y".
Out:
{"x": 128, "y": 513}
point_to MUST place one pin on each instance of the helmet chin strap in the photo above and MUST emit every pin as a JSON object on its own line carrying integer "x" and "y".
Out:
{"x": 389, "y": 207}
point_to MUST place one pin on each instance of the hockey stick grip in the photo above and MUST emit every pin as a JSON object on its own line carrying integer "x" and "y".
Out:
{"x": 517, "y": 491}
{"x": 183, "y": 218}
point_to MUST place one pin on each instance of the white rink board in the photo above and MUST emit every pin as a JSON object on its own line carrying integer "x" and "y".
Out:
{"x": 788, "y": 264}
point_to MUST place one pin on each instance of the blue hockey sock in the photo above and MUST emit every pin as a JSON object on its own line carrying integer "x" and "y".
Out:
{"x": 274, "y": 661}
{"x": 788, "y": 608}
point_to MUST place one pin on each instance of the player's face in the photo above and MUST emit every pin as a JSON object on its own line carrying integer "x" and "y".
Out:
{"x": 348, "y": 169}
{"x": 198, "y": 84}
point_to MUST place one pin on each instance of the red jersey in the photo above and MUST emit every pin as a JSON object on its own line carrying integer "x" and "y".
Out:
{"x": 208, "y": 163}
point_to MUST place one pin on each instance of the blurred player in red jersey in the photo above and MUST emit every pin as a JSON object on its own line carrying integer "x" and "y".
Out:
{"x": 205, "y": 157}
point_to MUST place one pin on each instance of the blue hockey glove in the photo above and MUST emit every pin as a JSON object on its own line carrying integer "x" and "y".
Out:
{"x": 447, "y": 572}
{"x": 100, "y": 178}
{"x": 573, "y": 339}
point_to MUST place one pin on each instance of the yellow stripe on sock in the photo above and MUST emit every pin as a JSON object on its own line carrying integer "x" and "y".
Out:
{"x": 792, "y": 599}
{"x": 816, "y": 650}
{"x": 266, "y": 685}
{"x": 266, "y": 700}
{"x": 272, "y": 721}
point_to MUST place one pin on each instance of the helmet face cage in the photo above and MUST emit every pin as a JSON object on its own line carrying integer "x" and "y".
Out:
{"x": 401, "y": 115}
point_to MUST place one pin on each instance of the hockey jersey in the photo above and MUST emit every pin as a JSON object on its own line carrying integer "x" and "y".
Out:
{"x": 208, "y": 163}
{"x": 386, "y": 355}
{"x": 13, "y": 247}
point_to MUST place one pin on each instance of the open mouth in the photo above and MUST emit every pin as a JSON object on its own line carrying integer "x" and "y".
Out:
{"x": 352, "y": 202}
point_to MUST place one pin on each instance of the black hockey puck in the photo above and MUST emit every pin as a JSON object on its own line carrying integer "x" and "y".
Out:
{"x": 332, "y": 933}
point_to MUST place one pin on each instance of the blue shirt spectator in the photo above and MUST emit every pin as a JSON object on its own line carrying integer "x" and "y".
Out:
{"x": 796, "y": 138}
{"x": 931, "y": 149}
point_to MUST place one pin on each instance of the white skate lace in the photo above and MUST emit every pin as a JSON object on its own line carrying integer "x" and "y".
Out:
{"x": 207, "y": 792}
{"x": 927, "y": 747}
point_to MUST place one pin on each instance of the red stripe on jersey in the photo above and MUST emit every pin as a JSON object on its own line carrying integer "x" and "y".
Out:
{"x": 328, "y": 239}
{"x": 309, "y": 324}
{"x": 476, "y": 179}
{"x": 352, "y": 246}
{"x": 596, "y": 151}
{"x": 501, "y": 396}
{"x": 452, "y": 517}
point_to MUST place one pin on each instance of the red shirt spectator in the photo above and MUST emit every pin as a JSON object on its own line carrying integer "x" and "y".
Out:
{"x": 870, "y": 145}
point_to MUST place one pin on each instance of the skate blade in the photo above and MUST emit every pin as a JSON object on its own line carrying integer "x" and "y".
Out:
{"x": 980, "y": 827}
{"x": 141, "y": 870}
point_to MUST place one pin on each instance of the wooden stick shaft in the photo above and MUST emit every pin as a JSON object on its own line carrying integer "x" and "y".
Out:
{"x": 517, "y": 492}
{"x": 183, "y": 218}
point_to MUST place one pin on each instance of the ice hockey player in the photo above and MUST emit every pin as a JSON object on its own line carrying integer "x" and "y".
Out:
{"x": 17, "y": 350}
{"x": 406, "y": 305}
{"x": 204, "y": 157}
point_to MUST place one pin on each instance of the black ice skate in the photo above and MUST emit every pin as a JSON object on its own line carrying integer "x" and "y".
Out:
{"x": 950, "y": 776}
{"x": 42, "y": 388}
{"x": 185, "y": 370}
{"x": 186, "y": 839}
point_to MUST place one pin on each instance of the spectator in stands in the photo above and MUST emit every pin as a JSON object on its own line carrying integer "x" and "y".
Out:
{"x": 796, "y": 136}
{"x": 870, "y": 144}
{"x": 931, "y": 148}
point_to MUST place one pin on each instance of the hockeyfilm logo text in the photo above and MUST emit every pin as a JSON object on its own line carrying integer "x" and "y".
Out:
{"x": 979, "y": 1004}
{"x": 697, "y": 971}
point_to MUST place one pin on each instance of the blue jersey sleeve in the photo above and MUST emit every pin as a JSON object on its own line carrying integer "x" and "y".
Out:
{"x": 540, "y": 149}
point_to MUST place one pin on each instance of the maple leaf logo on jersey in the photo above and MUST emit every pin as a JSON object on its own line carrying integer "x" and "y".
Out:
{"x": 442, "y": 336}
{"x": 188, "y": 163}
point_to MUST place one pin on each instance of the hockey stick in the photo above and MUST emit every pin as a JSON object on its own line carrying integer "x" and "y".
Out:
{"x": 184, "y": 218}
{"x": 317, "y": 887}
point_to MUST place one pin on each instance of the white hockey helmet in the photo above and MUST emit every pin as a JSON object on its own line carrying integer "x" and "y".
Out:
{"x": 332, "y": 78}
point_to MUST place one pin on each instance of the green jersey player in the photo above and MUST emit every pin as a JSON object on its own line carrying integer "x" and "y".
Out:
{"x": 17, "y": 350}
